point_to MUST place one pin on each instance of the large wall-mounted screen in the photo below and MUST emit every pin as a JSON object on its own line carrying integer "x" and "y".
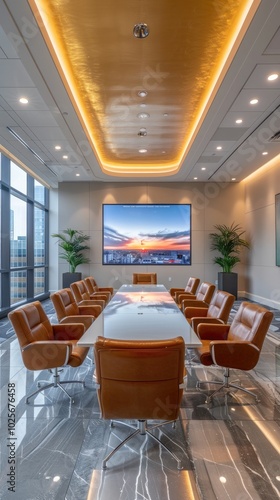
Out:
{"x": 157, "y": 234}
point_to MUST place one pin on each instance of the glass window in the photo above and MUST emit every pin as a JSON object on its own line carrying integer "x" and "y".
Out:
{"x": 39, "y": 236}
{"x": 39, "y": 280}
{"x": 18, "y": 178}
{"x": 39, "y": 192}
{"x": 18, "y": 236}
{"x": 18, "y": 291}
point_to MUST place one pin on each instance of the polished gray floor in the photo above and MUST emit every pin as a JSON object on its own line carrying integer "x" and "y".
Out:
{"x": 230, "y": 449}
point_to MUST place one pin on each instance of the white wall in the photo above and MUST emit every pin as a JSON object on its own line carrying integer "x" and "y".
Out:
{"x": 80, "y": 207}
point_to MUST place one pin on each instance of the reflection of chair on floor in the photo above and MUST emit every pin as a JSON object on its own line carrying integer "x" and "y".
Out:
{"x": 140, "y": 380}
{"x": 237, "y": 346}
{"x": 217, "y": 312}
{"x": 190, "y": 289}
{"x": 93, "y": 288}
{"x": 204, "y": 295}
{"x": 67, "y": 309}
{"x": 144, "y": 278}
{"x": 45, "y": 346}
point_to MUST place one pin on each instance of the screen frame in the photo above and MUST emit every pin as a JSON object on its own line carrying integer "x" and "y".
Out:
{"x": 155, "y": 264}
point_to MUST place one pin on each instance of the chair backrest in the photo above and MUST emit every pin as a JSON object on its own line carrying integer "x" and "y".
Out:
{"x": 91, "y": 284}
{"x": 250, "y": 324}
{"x": 205, "y": 292}
{"x": 139, "y": 379}
{"x": 144, "y": 279}
{"x": 80, "y": 291}
{"x": 64, "y": 303}
{"x": 192, "y": 285}
{"x": 220, "y": 305}
{"x": 31, "y": 323}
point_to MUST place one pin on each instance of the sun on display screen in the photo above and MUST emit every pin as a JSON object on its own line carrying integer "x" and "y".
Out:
{"x": 157, "y": 234}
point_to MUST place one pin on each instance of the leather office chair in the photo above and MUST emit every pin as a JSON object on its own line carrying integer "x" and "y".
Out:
{"x": 144, "y": 278}
{"x": 82, "y": 296}
{"x": 204, "y": 295}
{"x": 135, "y": 380}
{"x": 45, "y": 346}
{"x": 217, "y": 312}
{"x": 92, "y": 288}
{"x": 235, "y": 346}
{"x": 191, "y": 288}
{"x": 67, "y": 309}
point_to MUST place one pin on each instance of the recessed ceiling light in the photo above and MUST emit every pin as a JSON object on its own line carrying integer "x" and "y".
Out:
{"x": 77, "y": 175}
{"x": 233, "y": 179}
{"x": 163, "y": 152}
{"x": 265, "y": 153}
{"x": 272, "y": 77}
{"x": 239, "y": 120}
{"x": 142, "y": 150}
{"x": 141, "y": 30}
{"x": 195, "y": 178}
{"x": 65, "y": 157}
{"x": 142, "y": 93}
{"x": 23, "y": 100}
{"x": 143, "y": 115}
{"x": 142, "y": 132}
{"x": 254, "y": 101}
{"x": 219, "y": 147}
{"x": 203, "y": 168}
{"x": 57, "y": 148}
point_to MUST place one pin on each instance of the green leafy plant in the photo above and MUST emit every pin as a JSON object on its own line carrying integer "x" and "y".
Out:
{"x": 72, "y": 244}
{"x": 228, "y": 242}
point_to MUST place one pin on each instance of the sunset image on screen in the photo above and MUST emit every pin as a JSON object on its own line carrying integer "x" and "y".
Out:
{"x": 146, "y": 234}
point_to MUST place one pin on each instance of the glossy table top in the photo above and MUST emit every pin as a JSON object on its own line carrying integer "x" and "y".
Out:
{"x": 138, "y": 312}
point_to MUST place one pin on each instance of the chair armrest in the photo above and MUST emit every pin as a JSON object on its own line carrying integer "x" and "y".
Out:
{"x": 92, "y": 302}
{"x": 86, "y": 320}
{"x": 46, "y": 354}
{"x": 99, "y": 296}
{"x": 198, "y": 320}
{"x": 91, "y": 310}
{"x": 238, "y": 355}
{"x": 68, "y": 331}
{"x": 106, "y": 289}
{"x": 191, "y": 312}
{"x": 174, "y": 290}
{"x": 185, "y": 295}
{"x": 210, "y": 331}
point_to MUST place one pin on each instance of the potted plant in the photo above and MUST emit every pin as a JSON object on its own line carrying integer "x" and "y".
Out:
{"x": 72, "y": 244}
{"x": 228, "y": 242}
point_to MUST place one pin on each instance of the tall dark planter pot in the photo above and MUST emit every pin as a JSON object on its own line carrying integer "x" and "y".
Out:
{"x": 228, "y": 282}
{"x": 68, "y": 278}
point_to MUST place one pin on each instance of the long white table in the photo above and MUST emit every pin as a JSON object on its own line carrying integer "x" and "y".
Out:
{"x": 141, "y": 312}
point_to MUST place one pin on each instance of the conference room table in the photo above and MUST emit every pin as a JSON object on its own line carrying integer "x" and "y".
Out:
{"x": 141, "y": 312}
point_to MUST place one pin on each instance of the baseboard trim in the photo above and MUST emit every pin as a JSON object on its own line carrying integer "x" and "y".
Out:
{"x": 262, "y": 300}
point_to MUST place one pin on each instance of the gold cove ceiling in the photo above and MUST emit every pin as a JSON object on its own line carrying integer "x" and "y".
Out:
{"x": 180, "y": 65}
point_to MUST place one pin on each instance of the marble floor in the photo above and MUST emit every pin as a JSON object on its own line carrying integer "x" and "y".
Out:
{"x": 230, "y": 448}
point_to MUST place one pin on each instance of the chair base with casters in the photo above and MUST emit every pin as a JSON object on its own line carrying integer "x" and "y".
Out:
{"x": 225, "y": 385}
{"x": 56, "y": 383}
{"x": 143, "y": 429}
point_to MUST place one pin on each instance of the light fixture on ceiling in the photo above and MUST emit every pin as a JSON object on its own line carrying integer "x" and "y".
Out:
{"x": 195, "y": 178}
{"x": 58, "y": 148}
{"x": 142, "y": 150}
{"x": 23, "y": 100}
{"x": 239, "y": 120}
{"x": 203, "y": 168}
{"x": 143, "y": 115}
{"x": 142, "y": 132}
{"x": 254, "y": 101}
{"x": 141, "y": 30}
{"x": 265, "y": 153}
{"x": 219, "y": 148}
{"x": 65, "y": 157}
{"x": 142, "y": 93}
{"x": 272, "y": 77}
{"x": 77, "y": 175}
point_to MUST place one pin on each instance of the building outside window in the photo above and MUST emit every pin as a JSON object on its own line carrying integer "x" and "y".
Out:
{"x": 23, "y": 236}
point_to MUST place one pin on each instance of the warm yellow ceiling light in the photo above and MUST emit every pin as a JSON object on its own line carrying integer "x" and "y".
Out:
{"x": 105, "y": 69}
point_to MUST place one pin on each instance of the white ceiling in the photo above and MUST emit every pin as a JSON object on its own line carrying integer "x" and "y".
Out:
{"x": 26, "y": 68}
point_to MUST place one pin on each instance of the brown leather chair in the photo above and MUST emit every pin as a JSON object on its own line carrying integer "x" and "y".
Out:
{"x": 204, "y": 295}
{"x": 92, "y": 288}
{"x": 67, "y": 309}
{"x": 190, "y": 288}
{"x": 81, "y": 294}
{"x": 217, "y": 312}
{"x": 237, "y": 346}
{"x": 45, "y": 346}
{"x": 144, "y": 279}
{"x": 136, "y": 380}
